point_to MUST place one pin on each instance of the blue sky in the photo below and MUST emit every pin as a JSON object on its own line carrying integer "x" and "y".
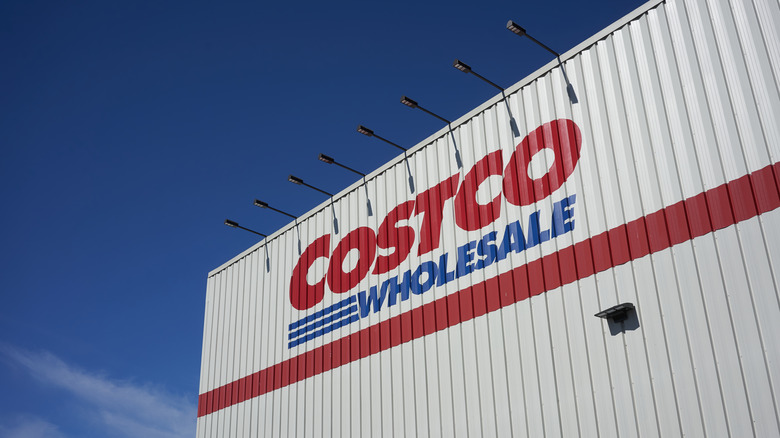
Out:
{"x": 129, "y": 130}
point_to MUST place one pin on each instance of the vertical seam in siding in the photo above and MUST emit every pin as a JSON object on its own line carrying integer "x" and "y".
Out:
{"x": 687, "y": 105}
{"x": 605, "y": 46}
{"x": 593, "y": 73}
{"x": 665, "y": 114}
{"x": 714, "y": 237}
{"x": 753, "y": 198}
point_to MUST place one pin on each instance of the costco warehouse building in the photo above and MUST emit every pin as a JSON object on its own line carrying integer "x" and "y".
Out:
{"x": 466, "y": 304}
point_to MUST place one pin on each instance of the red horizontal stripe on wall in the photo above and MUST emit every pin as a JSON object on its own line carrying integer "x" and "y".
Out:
{"x": 717, "y": 208}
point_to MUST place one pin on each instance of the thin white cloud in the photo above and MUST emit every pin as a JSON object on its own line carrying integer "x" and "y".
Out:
{"x": 123, "y": 408}
{"x": 29, "y": 427}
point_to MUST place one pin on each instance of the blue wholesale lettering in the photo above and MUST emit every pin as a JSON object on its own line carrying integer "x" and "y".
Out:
{"x": 472, "y": 256}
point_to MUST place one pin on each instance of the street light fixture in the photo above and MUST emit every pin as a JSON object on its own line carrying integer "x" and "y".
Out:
{"x": 462, "y": 66}
{"x": 296, "y": 180}
{"x": 330, "y": 160}
{"x": 262, "y": 204}
{"x": 365, "y": 131}
{"x": 234, "y": 224}
{"x": 326, "y": 159}
{"x": 517, "y": 30}
{"x": 413, "y": 104}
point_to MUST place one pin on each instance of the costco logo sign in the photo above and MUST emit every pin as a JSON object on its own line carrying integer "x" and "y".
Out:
{"x": 561, "y": 136}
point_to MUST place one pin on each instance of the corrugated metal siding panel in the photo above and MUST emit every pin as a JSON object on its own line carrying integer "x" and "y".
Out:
{"x": 682, "y": 99}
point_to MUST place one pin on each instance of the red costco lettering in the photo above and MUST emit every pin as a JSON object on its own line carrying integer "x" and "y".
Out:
{"x": 364, "y": 240}
{"x": 392, "y": 236}
{"x": 302, "y": 294}
{"x": 431, "y": 202}
{"x": 563, "y": 137}
{"x": 470, "y": 215}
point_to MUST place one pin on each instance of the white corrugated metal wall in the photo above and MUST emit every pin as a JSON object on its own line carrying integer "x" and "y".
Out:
{"x": 679, "y": 100}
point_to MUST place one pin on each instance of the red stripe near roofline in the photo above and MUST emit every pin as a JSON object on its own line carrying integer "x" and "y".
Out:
{"x": 717, "y": 208}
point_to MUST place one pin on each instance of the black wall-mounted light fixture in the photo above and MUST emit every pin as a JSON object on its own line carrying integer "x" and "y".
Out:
{"x": 262, "y": 204}
{"x": 413, "y": 104}
{"x": 330, "y": 160}
{"x": 296, "y": 180}
{"x": 519, "y": 31}
{"x": 617, "y": 313}
{"x": 515, "y": 28}
{"x": 462, "y": 66}
{"x": 365, "y": 131}
{"x": 235, "y": 224}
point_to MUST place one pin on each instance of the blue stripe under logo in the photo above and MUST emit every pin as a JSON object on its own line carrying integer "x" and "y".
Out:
{"x": 331, "y": 319}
